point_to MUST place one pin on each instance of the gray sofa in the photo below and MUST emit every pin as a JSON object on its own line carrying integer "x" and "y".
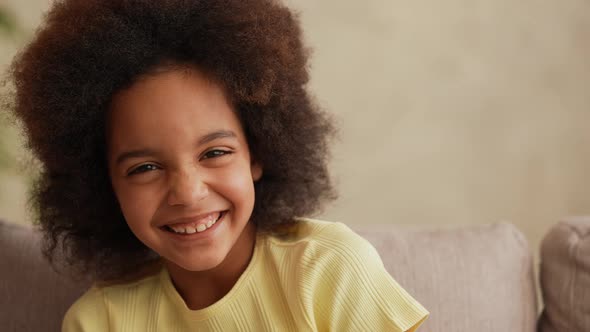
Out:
{"x": 470, "y": 279}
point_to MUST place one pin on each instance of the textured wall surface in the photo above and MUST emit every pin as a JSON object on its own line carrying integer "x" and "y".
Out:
{"x": 456, "y": 112}
{"x": 451, "y": 113}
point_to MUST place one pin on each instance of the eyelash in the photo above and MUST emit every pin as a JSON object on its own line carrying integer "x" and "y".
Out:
{"x": 216, "y": 153}
{"x": 142, "y": 169}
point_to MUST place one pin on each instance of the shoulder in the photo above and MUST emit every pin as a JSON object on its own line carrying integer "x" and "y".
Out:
{"x": 323, "y": 240}
{"x": 88, "y": 313}
{"x": 95, "y": 308}
{"x": 319, "y": 256}
{"x": 343, "y": 283}
{"x": 308, "y": 230}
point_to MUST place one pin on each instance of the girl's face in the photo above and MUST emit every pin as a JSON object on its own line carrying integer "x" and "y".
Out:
{"x": 180, "y": 167}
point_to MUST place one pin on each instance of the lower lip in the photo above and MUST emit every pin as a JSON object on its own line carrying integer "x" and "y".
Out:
{"x": 195, "y": 236}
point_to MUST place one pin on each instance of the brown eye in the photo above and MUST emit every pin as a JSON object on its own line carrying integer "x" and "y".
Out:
{"x": 143, "y": 169}
{"x": 215, "y": 154}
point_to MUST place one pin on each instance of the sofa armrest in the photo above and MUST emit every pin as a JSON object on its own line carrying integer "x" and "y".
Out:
{"x": 565, "y": 277}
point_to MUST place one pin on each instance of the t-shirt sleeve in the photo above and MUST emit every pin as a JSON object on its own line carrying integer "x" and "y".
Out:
{"x": 87, "y": 314}
{"x": 350, "y": 290}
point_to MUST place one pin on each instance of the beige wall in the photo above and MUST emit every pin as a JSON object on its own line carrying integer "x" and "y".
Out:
{"x": 451, "y": 113}
{"x": 13, "y": 181}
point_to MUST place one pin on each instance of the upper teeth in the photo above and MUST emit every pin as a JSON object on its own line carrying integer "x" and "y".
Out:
{"x": 203, "y": 224}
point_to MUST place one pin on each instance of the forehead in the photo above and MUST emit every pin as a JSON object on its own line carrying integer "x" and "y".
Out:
{"x": 177, "y": 103}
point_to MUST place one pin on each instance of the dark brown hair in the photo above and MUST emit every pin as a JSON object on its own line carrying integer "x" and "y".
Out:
{"x": 86, "y": 51}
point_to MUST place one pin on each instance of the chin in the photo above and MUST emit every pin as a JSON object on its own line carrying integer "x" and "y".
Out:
{"x": 198, "y": 265}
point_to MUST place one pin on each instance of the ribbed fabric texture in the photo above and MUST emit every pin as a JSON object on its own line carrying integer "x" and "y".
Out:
{"x": 320, "y": 277}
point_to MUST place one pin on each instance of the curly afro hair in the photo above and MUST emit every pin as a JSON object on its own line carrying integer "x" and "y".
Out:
{"x": 87, "y": 51}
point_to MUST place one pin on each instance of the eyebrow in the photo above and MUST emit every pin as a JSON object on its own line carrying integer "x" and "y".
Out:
{"x": 150, "y": 152}
{"x": 216, "y": 135}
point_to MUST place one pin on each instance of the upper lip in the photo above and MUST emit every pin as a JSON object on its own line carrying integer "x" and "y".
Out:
{"x": 189, "y": 219}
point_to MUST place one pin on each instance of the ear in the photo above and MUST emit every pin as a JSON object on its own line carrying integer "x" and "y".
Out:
{"x": 256, "y": 170}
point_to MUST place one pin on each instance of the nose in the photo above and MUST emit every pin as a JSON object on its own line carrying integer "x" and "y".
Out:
{"x": 186, "y": 188}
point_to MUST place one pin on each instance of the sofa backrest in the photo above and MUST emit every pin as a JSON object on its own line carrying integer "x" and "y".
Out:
{"x": 33, "y": 296}
{"x": 477, "y": 278}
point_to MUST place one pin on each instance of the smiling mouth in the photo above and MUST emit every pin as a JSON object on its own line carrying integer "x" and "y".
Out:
{"x": 198, "y": 226}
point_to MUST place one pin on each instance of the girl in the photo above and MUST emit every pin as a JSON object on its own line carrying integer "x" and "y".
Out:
{"x": 180, "y": 149}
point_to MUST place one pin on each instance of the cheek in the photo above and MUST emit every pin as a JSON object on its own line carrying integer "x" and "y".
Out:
{"x": 239, "y": 188}
{"x": 137, "y": 204}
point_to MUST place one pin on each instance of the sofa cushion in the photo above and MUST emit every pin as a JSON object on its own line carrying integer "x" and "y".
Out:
{"x": 565, "y": 277}
{"x": 34, "y": 297}
{"x": 476, "y": 278}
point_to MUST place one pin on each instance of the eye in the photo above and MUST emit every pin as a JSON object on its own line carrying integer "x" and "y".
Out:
{"x": 143, "y": 168}
{"x": 215, "y": 153}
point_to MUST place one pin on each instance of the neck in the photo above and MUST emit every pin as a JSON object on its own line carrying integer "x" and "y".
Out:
{"x": 200, "y": 289}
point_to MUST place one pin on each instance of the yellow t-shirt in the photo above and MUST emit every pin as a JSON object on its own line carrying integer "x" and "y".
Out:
{"x": 322, "y": 277}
